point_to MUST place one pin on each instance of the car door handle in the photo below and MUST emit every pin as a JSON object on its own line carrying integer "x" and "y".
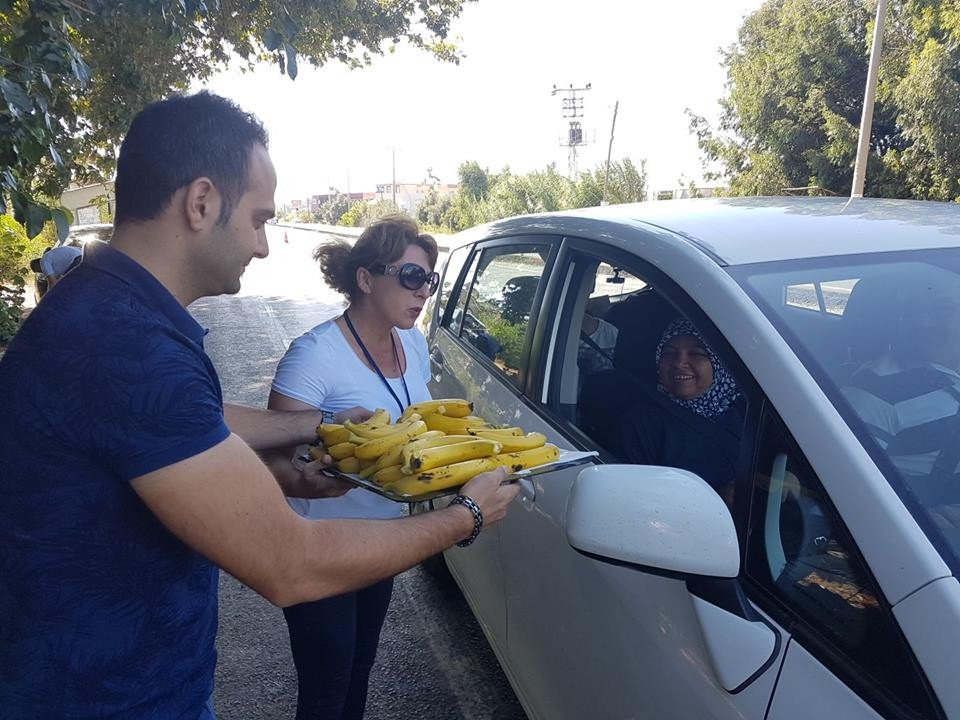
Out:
{"x": 436, "y": 356}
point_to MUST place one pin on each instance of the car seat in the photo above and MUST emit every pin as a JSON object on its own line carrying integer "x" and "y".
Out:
{"x": 869, "y": 325}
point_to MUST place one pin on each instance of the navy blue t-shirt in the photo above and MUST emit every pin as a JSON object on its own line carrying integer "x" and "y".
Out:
{"x": 103, "y": 612}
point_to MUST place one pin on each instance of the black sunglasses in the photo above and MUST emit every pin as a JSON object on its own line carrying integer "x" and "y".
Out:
{"x": 410, "y": 275}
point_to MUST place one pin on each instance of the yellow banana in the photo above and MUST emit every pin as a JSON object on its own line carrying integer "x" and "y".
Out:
{"x": 333, "y": 434}
{"x": 507, "y": 431}
{"x": 395, "y": 456}
{"x": 452, "y": 425}
{"x": 368, "y": 471}
{"x": 387, "y": 475}
{"x": 429, "y": 458}
{"x": 341, "y": 450}
{"x": 441, "y": 478}
{"x": 348, "y": 465}
{"x": 371, "y": 433}
{"x": 451, "y": 407}
{"x": 423, "y": 442}
{"x": 513, "y": 443}
{"x": 379, "y": 418}
{"x": 516, "y": 461}
{"x": 376, "y": 447}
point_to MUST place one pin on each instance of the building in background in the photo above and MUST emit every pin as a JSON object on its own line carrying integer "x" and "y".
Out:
{"x": 85, "y": 202}
{"x": 409, "y": 195}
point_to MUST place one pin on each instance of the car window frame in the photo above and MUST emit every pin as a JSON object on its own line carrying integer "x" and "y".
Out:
{"x": 659, "y": 282}
{"x": 466, "y": 281}
{"x": 441, "y": 308}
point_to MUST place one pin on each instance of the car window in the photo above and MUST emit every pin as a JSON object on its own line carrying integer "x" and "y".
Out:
{"x": 497, "y": 312}
{"x": 881, "y": 335}
{"x": 451, "y": 273}
{"x": 606, "y": 376}
{"x": 799, "y": 552}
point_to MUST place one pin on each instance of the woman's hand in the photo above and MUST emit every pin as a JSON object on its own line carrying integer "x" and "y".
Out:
{"x": 313, "y": 483}
{"x": 354, "y": 414}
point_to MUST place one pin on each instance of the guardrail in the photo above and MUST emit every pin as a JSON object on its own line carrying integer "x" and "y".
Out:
{"x": 346, "y": 232}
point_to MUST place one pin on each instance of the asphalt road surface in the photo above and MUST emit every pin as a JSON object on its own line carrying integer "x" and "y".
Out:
{"x": 433, "y": 661}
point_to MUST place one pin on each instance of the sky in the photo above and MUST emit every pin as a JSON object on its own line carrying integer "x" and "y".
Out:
{"x": 340, "y": 128}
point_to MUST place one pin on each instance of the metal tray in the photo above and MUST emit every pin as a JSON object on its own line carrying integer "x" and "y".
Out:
{"x": 567, "y": 459}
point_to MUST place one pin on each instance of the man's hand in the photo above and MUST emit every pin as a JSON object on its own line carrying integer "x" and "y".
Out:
{"x": 354, "y": 414}
{"x": 490, "y": 495}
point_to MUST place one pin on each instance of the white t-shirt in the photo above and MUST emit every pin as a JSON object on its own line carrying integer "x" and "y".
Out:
{"x": 321, "y": 369}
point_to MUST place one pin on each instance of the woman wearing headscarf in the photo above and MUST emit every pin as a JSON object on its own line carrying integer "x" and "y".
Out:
{"x": 698, "y": 426}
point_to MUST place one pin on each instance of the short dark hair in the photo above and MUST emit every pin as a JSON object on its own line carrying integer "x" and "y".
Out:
{"x": 173, "y": 142}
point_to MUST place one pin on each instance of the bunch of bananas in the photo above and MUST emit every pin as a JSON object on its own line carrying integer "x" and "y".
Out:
{"x": 434, "y": 445}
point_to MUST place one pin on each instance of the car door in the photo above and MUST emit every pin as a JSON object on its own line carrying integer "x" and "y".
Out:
{"x": 478, "y": 349}
{"x": 587, "y": 638}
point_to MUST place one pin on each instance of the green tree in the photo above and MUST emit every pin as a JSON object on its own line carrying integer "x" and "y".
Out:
{"x": 73, "y": 73}
{"x": 474, "y": 179}
{"x": 331, "y": 210}
{"x": 434, "y": 210}
{"x": 16, "y": 251}
{"x": 626, "y": 183}
{"x": 796, "y": 79}
{"x": 365, "y": 212}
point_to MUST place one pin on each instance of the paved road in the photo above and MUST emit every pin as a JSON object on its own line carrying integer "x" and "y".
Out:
{"x": 434, "y": 662}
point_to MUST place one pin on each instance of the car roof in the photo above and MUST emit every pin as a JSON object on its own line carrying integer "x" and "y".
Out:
{"x": 738, "y": 231}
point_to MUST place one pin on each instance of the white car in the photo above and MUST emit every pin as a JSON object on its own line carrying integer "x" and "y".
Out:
{"x": 819, "y": 578}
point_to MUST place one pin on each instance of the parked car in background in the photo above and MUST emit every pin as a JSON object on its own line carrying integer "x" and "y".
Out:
{"x": 77, "y": 236}
{"x": 826, "y": 586}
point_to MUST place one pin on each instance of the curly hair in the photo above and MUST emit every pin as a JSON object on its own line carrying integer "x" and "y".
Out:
{"x": 383, "y": 241}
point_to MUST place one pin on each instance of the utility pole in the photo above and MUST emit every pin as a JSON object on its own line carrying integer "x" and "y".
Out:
{"x": 572, "y": 108}
{"x": 870, "y": 96}
{"x": 393, "y": 181}
{"x": 606, "y": 173}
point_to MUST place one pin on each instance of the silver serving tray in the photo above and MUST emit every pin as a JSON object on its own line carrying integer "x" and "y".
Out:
{"x": 567, "y": 459}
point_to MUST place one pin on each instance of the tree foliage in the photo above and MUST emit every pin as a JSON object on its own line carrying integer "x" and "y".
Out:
{"x": 483, "y": 196}
{"x": 16, "y": 251}
{"x": 796, "y": 79}
{"x": 73, "y": 73}
{"x": 333, "y": 208}
{"x": 365, "y": 212}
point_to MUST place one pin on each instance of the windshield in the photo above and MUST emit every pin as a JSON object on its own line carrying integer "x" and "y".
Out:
{"x": 881, "y": 333}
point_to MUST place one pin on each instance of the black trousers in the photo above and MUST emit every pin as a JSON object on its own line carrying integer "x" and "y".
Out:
{"x": 334, "y": 643}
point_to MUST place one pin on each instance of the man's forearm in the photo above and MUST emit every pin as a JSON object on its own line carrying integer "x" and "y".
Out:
{"x": 268, "y": 429}
{"x": 338, "y": 556}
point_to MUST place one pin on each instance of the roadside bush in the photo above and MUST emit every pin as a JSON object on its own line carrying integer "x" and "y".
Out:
{"x": 16, "y": 251}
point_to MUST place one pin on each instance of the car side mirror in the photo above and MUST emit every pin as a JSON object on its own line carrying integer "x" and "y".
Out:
{"x": 656, "y": 517}
{"x": 669, "y": 520}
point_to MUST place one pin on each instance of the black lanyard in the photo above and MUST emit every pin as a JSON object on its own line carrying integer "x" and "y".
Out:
{"x": 376, "y": 367}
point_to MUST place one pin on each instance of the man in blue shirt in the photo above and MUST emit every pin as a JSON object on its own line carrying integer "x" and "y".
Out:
{"x": 124, "y": 482}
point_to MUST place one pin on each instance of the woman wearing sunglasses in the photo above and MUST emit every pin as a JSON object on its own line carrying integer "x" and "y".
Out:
{"x": 371, "y": 356}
